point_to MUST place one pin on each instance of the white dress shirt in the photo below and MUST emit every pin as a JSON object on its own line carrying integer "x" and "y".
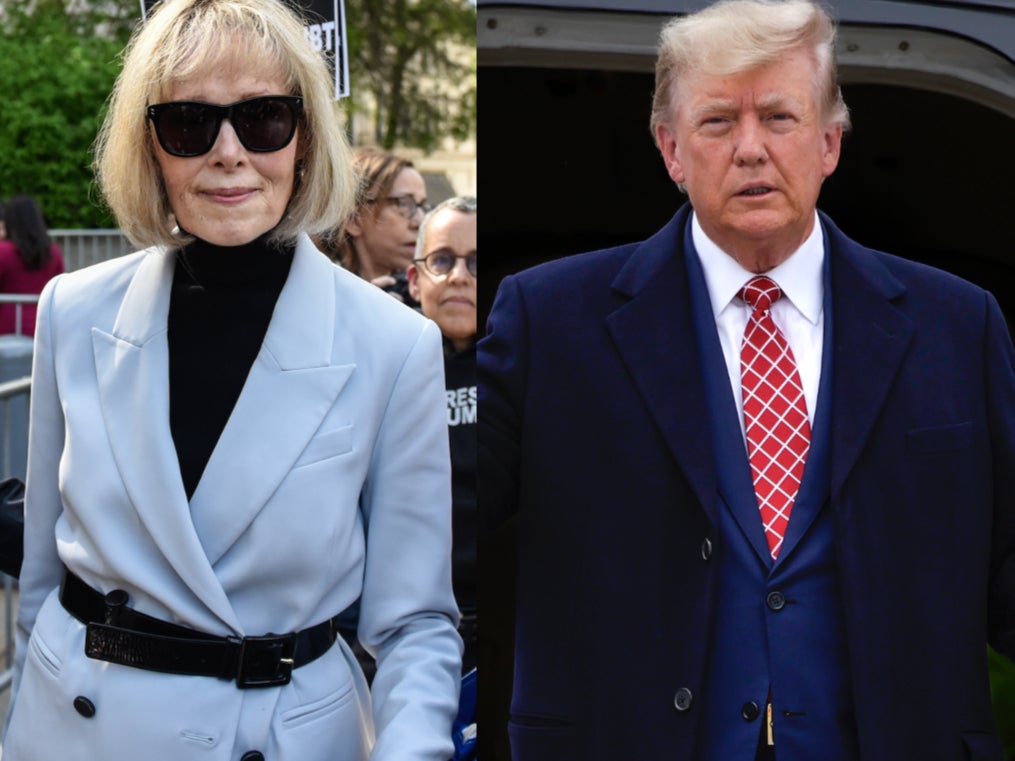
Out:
{"x": 799, "y": 314}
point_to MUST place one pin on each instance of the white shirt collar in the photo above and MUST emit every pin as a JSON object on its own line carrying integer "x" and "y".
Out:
{"x": 799, "y": 277}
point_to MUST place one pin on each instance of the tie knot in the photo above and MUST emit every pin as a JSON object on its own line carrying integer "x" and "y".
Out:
{"x": 760, "y": 292}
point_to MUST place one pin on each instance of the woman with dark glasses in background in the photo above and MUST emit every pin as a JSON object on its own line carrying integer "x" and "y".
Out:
{"x": 232, "y": 440}
{"x": 379, "y": 239}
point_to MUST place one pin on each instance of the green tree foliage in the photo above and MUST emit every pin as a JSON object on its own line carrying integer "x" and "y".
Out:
{"x": 57, "y": 69}
{"x": 1002, "y": 686}
{"x": 416, "y": 58}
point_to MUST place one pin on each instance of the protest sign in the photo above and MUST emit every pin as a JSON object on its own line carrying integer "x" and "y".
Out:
{"x": 325, "y": 28}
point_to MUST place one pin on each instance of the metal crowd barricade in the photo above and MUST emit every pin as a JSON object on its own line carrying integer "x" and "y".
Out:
{"x": 10, "y": 391}
{"x": 19, "y": 300}
{"x": 84, "y": 247}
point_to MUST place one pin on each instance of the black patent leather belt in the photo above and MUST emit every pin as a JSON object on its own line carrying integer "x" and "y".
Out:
{"x": 118, "y": 634}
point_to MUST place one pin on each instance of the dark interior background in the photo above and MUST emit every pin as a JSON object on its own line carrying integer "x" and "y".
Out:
{"x": 569, "y": 166}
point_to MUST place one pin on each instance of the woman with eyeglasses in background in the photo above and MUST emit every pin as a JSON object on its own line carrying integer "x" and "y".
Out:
{"x": 378, "y": 240}
{"x": 232, "y": 439}
{"x": 443, "y": 279}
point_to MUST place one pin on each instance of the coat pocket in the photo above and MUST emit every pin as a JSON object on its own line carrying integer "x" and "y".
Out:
{"x": 326, "y": 445}
{"x": 542, "y": 738}
{"x": 44, "y": 656}
{"x": 48, "y": 644}
{"x": 335, "y": 727}
{"x": 944, "y": 438}
{"x": 318, "y": 709}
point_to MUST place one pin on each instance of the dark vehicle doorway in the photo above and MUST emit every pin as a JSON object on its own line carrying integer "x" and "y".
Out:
{"x": 926, "y": 172}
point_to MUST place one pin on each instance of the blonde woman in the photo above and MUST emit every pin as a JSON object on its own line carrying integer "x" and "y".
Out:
{"x": 230, "y": 439}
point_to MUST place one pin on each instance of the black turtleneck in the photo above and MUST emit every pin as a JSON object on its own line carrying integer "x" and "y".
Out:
{"x": 221, "y": 303}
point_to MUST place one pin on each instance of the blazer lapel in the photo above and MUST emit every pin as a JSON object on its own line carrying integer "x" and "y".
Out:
{"x": 871, "y": 337}
{"x": 654, "y": 335}
{"x": 132, "y": 367}
{"x": 291, "y": 386}
{"x": 736, "y": 485}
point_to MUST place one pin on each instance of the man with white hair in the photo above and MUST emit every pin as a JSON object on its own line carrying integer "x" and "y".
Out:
{"x": 763, "y": 477}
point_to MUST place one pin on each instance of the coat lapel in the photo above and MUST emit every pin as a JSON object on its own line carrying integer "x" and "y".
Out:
{"x": 132, "y": 367}
{"x": 654, "y": 335}
{"x": 871, "y": 337}
{"x": 290, "y": 388}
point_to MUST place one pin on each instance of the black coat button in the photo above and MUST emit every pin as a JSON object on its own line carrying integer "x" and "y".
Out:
{"x": 84, "y": 706}
{"x": 775, "y": 601}
{"x": 750, "y": 711}
{"x": 253, "y": 755}
{"x": 117, "y": 598}
{"x": 706, "y": 550}
{"x": 682, "y": 700}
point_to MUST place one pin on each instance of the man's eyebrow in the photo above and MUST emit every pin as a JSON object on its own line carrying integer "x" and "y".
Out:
{"x": 713, "y": 106}
{"x": 779, "y": 100}
{"x": 768, "y": 102}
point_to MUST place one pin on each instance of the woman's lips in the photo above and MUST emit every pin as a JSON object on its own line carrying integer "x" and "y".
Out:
{"x": 229, "y": 195}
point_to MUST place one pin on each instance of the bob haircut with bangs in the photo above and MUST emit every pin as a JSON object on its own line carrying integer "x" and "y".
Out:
{"x": 734, "y": 36}
{"x": 187, "y": 38}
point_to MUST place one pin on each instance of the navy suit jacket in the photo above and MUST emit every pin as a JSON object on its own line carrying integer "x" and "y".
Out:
{"x": 595, "y": 433}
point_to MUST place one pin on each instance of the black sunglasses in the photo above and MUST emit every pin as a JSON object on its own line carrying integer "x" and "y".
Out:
{"x": 189, "y": 128}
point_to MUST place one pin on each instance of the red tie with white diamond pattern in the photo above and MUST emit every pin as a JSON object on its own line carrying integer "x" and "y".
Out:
{"x": 775, "y": 412}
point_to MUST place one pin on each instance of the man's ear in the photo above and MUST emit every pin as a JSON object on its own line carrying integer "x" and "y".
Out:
{"x": 667, "y": 143}
{"x": 412, "y": 275}
{"x": 833, "y": 148}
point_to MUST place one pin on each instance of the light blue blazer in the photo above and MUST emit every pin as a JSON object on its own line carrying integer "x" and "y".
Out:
{"x": 330, "y": 480}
